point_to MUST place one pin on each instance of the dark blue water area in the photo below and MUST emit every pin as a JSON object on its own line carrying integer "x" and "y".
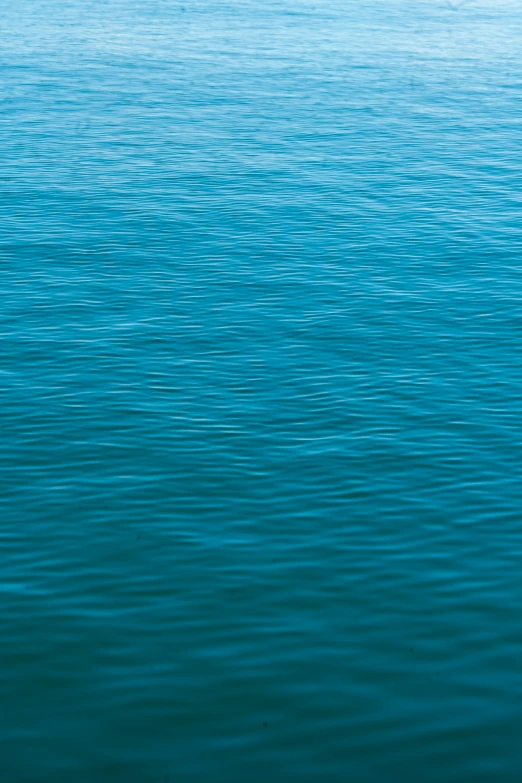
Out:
{"x": 261, "y": 376}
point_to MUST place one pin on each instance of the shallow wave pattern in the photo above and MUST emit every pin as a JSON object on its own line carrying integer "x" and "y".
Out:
{"x": 261, "y": 407}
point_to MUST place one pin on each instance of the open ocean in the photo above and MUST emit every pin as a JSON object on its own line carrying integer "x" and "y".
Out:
{"x": 261, "y": 391}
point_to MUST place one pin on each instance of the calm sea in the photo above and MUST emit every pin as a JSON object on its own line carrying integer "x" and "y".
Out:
{"x": 261, "y": 391}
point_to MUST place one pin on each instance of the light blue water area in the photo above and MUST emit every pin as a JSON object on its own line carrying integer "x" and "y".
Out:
{"x": 261, "y": 381}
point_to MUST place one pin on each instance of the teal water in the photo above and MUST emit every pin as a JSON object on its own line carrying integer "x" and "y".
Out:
{"x": 261, "y": 391}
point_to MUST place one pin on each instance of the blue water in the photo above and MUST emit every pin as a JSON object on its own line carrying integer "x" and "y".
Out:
{"x": 261, "y": 382}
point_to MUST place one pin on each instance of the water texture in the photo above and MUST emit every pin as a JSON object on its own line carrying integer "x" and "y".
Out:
{"x": 261, "y": 383}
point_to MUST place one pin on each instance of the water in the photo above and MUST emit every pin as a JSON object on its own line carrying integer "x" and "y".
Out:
{"x": 261, "y": 391}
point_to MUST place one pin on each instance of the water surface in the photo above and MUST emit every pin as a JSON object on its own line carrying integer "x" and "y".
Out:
{"x": 261, "y": 391}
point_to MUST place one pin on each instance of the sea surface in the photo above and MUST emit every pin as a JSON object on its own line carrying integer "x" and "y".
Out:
{"x": 261, "y": 391}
